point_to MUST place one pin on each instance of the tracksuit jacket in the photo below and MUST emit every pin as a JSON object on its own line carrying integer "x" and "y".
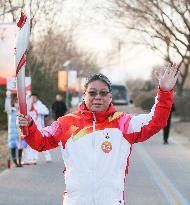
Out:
{"x": 97, "y": 148}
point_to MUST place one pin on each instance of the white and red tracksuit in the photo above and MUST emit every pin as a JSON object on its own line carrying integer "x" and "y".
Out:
{"x": 97, "y": 148}
{"x": 38, "y": 111}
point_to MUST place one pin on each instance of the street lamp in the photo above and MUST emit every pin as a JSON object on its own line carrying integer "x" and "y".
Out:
{"x": 67, "y": 64}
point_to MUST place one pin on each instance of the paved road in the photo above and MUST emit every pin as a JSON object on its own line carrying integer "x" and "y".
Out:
{"x": 158, "y": 175}
{"x": 41, "y": 184}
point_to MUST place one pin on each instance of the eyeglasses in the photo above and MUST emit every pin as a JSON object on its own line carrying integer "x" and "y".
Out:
{"x": 95, "y": 93}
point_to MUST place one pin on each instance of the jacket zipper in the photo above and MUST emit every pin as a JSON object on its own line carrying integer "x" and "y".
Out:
{"x": 94, "y": 155}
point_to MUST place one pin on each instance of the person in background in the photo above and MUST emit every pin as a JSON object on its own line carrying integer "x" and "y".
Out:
{"x": 15, "y": 143}
{"x": 97, "y": 140}
{"x": 38, "y": 112}
{"x": 59, "y": 107}
{"x": 166, "y": 130}
{"x": 46, "y": 120}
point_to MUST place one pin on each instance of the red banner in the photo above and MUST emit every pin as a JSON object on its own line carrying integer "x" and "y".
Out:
{"x": 3, "y": 81}
{"x": 7, "y": 44}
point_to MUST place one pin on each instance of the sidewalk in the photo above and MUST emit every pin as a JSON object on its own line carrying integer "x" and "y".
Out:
{"x": 41, "y": 184}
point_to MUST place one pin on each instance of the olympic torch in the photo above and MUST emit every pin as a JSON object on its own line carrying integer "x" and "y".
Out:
{"x": 22, "y": 40}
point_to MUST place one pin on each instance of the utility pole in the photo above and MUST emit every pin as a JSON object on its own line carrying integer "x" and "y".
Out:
{"x": 67, "y": 65}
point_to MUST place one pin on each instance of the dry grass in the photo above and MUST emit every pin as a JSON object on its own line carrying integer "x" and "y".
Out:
{"x": 181, "y": 128}
{"x": 4, "y": 152}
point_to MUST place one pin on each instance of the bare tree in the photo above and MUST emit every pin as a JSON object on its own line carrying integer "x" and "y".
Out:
{"x": 55, "y": 48}
{"x": 50, "y": 42}
{"x": 164, "y": 26}
{"x": 41, "y": 13}
{"x": 85, "y": 64}
{"x": 8, "y": 10}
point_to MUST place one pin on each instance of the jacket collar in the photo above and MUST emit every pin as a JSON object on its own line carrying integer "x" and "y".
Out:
{"x": 100, "y": 116}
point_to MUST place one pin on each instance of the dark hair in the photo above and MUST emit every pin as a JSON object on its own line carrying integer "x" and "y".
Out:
{"x": 34, "y": 94}
{"x": 13, "y": 99}
{"x": 100, "y": 77}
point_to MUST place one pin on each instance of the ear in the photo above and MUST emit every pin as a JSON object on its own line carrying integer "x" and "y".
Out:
{"x": 111, "y": 95}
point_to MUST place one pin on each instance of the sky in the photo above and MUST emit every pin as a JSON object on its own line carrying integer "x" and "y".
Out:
{"x": 134, "y": 64}
{"x": 100, "y": 36}
{"x": 133, "y": 61}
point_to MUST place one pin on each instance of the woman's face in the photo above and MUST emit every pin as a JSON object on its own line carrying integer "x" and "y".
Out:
{"x": 15, "y": 103}
{"x": 97, "y": 96}
{"x": 34, "y": 99}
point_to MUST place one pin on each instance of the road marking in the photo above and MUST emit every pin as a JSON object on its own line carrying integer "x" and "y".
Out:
{"x": 173, "y": 196}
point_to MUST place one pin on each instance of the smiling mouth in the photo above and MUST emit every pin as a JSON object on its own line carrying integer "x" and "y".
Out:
{"x": 97, "y": 104}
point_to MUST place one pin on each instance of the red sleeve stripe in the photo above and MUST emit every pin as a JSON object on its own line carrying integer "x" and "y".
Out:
{"x": 144, "y": 126}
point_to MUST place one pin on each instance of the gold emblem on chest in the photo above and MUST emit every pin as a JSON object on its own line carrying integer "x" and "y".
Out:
{"x": 106, "y": 147}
